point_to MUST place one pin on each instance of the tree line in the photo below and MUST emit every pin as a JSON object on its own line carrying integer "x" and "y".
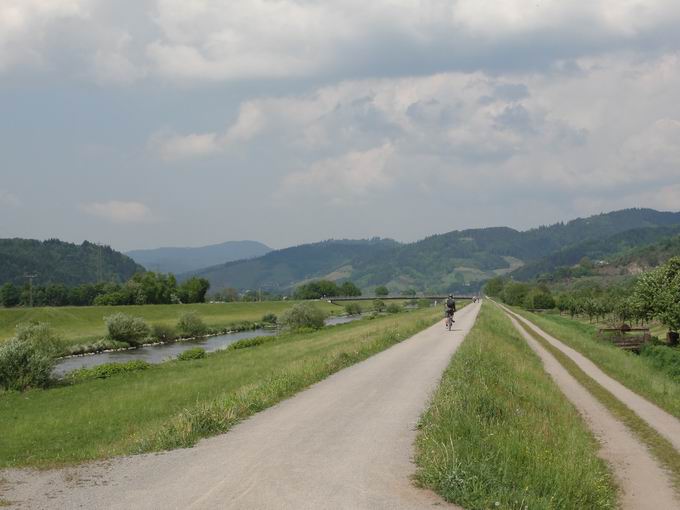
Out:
{"x": 142, "y": 289}
{"x": 654, "y": 295}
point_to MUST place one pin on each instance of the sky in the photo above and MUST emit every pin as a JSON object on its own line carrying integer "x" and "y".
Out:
{"x": 146, "y": 123}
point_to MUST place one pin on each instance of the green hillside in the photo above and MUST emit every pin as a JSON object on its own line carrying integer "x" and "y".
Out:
{"x": 455, "y": 261}
{"x": 59, "y": 262}
{"x": 634, "y": 243}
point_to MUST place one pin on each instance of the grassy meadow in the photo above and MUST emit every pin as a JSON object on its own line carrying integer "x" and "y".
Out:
{"x": 176, "y": 403}
{"x": 84, "y": 324}
{"x": 636, "y": 372}
{"x": 500, "y": 434}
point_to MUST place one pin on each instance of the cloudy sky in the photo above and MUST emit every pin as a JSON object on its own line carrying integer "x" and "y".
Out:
{"x": 141, "y": 123}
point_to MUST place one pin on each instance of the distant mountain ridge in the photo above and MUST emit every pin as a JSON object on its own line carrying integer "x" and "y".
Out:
{"x": 457, "y": 260}
{"x": 56, "y": 261}
{"x": 180, "y": 259}
{"x": 460, "y": 260}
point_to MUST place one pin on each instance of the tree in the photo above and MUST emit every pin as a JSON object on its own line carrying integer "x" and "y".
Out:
{"x": 657, "y": 294}
{"x": 194, "y": 290}
{"x": 382, "y": 291}
{"x": 494, "y": 286}
{"x": 317, "y": 290}
{"x": 514, "y": 293}
{"x": 10, "y": 295}
{"x": 408, "y": 292}
{"x": 348, "y": 289}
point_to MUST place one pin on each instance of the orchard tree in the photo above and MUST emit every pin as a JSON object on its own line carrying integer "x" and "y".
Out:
{"x": 658, "y": 295}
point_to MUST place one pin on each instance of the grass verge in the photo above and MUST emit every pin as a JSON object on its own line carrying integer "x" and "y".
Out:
{"x": 637, "y": 373}
{"x": 500, "y": 434}
{"x": 176, "y": 403}
{"x": 660, "y": 447}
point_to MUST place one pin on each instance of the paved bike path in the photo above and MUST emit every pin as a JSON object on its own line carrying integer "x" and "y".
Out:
{"x": 346, "y": 442}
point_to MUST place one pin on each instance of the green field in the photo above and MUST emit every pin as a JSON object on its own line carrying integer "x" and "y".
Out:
{"x": 84, "y": 324}
{"x": 500, "y": 434}
{"x": 633, "y": 371}
{"x": 175, "y": 403}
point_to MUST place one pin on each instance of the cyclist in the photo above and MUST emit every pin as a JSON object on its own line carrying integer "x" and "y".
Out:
{"x": 450, "y": 309}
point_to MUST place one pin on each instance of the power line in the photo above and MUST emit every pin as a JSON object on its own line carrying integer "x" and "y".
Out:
{"x": 30, "y": 286}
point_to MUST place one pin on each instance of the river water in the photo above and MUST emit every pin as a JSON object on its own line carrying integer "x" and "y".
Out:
{"x": 164, "y": 352}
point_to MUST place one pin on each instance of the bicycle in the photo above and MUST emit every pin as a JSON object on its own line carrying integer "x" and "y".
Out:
{"x": 449, "y": 321}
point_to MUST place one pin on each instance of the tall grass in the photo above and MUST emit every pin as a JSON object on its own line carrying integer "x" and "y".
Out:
{"x": 500, "y": 434}
{"x": 638, "y": 373}
{"x": 178, "y": 402}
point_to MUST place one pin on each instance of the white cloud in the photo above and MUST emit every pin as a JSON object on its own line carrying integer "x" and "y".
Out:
{"x": 223, "y": 40}
{"x": 344, "y": 178}
{"x": 172, "y": 147}
{"x": 119, "y": 212}
{"x": 25, "y": 24}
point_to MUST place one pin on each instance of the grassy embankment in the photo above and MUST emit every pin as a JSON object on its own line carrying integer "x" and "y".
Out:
{"x": 660, "y": 447}
{"x": 638, "y": 373}
{"x": 84, "y": 324}
{"x": 500, "y": 434}
{"x": 176, "y": 403}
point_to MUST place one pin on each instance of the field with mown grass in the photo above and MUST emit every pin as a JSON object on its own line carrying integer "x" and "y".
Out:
{"x": 639, "y": 373}
{"x": 176, "y": 403}
{"x": 83, "y": 324}
{"x": 500, "y": 434}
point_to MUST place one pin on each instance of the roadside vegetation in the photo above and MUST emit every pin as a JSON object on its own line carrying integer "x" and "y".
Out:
{"x": 639, "y": 373}
{"x": 176, "y": 403}
{"x": 660, "y": 447}
{"x": 500, "y": 434}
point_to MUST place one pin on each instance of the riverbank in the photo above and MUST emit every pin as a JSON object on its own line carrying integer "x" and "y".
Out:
{"x": 176, "y": 403}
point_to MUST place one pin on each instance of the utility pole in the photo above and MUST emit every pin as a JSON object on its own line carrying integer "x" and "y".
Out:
{"x": 99, "y": 263}
{"x": 30, "y": 277}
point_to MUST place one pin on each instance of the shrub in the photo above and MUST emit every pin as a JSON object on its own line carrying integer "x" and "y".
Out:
{"x": 394, "y": 308}
{"x": 663, "y": 358}
{"x": 27, "y": 360}
{"x": 193, "y": 353}
{"x": 353, "y": 309}
{"x": 270, "y": 318}
{"x": 248, "y": 342}
{"x": 106, "y": 370}
{"x": 378, "y": 305}
{"x": 125, "y": 328}
{"x": 164, "y": 332}
{"x": 104, "y": 344}
{"x": 190, "y": 324}
{"x": 303, "y": 315}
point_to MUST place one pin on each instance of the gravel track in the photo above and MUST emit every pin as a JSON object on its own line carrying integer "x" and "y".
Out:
{"x": 644, "y": 484}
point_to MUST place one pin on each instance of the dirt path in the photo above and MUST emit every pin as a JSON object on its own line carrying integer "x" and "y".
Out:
{"x": 664, "y": 423}
{"x": 346, "y": 442}
{"x": 643, "y": 482}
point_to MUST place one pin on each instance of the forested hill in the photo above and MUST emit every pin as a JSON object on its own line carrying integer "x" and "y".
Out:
{"x": 181, "y": 260}
{"x": 458, "y": 260}
{"x": 59, "y": 262}
{"x": 650, "y": 245}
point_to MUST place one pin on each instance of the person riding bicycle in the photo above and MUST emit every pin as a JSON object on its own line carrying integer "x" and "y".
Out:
{"x": 450, "y": 306}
